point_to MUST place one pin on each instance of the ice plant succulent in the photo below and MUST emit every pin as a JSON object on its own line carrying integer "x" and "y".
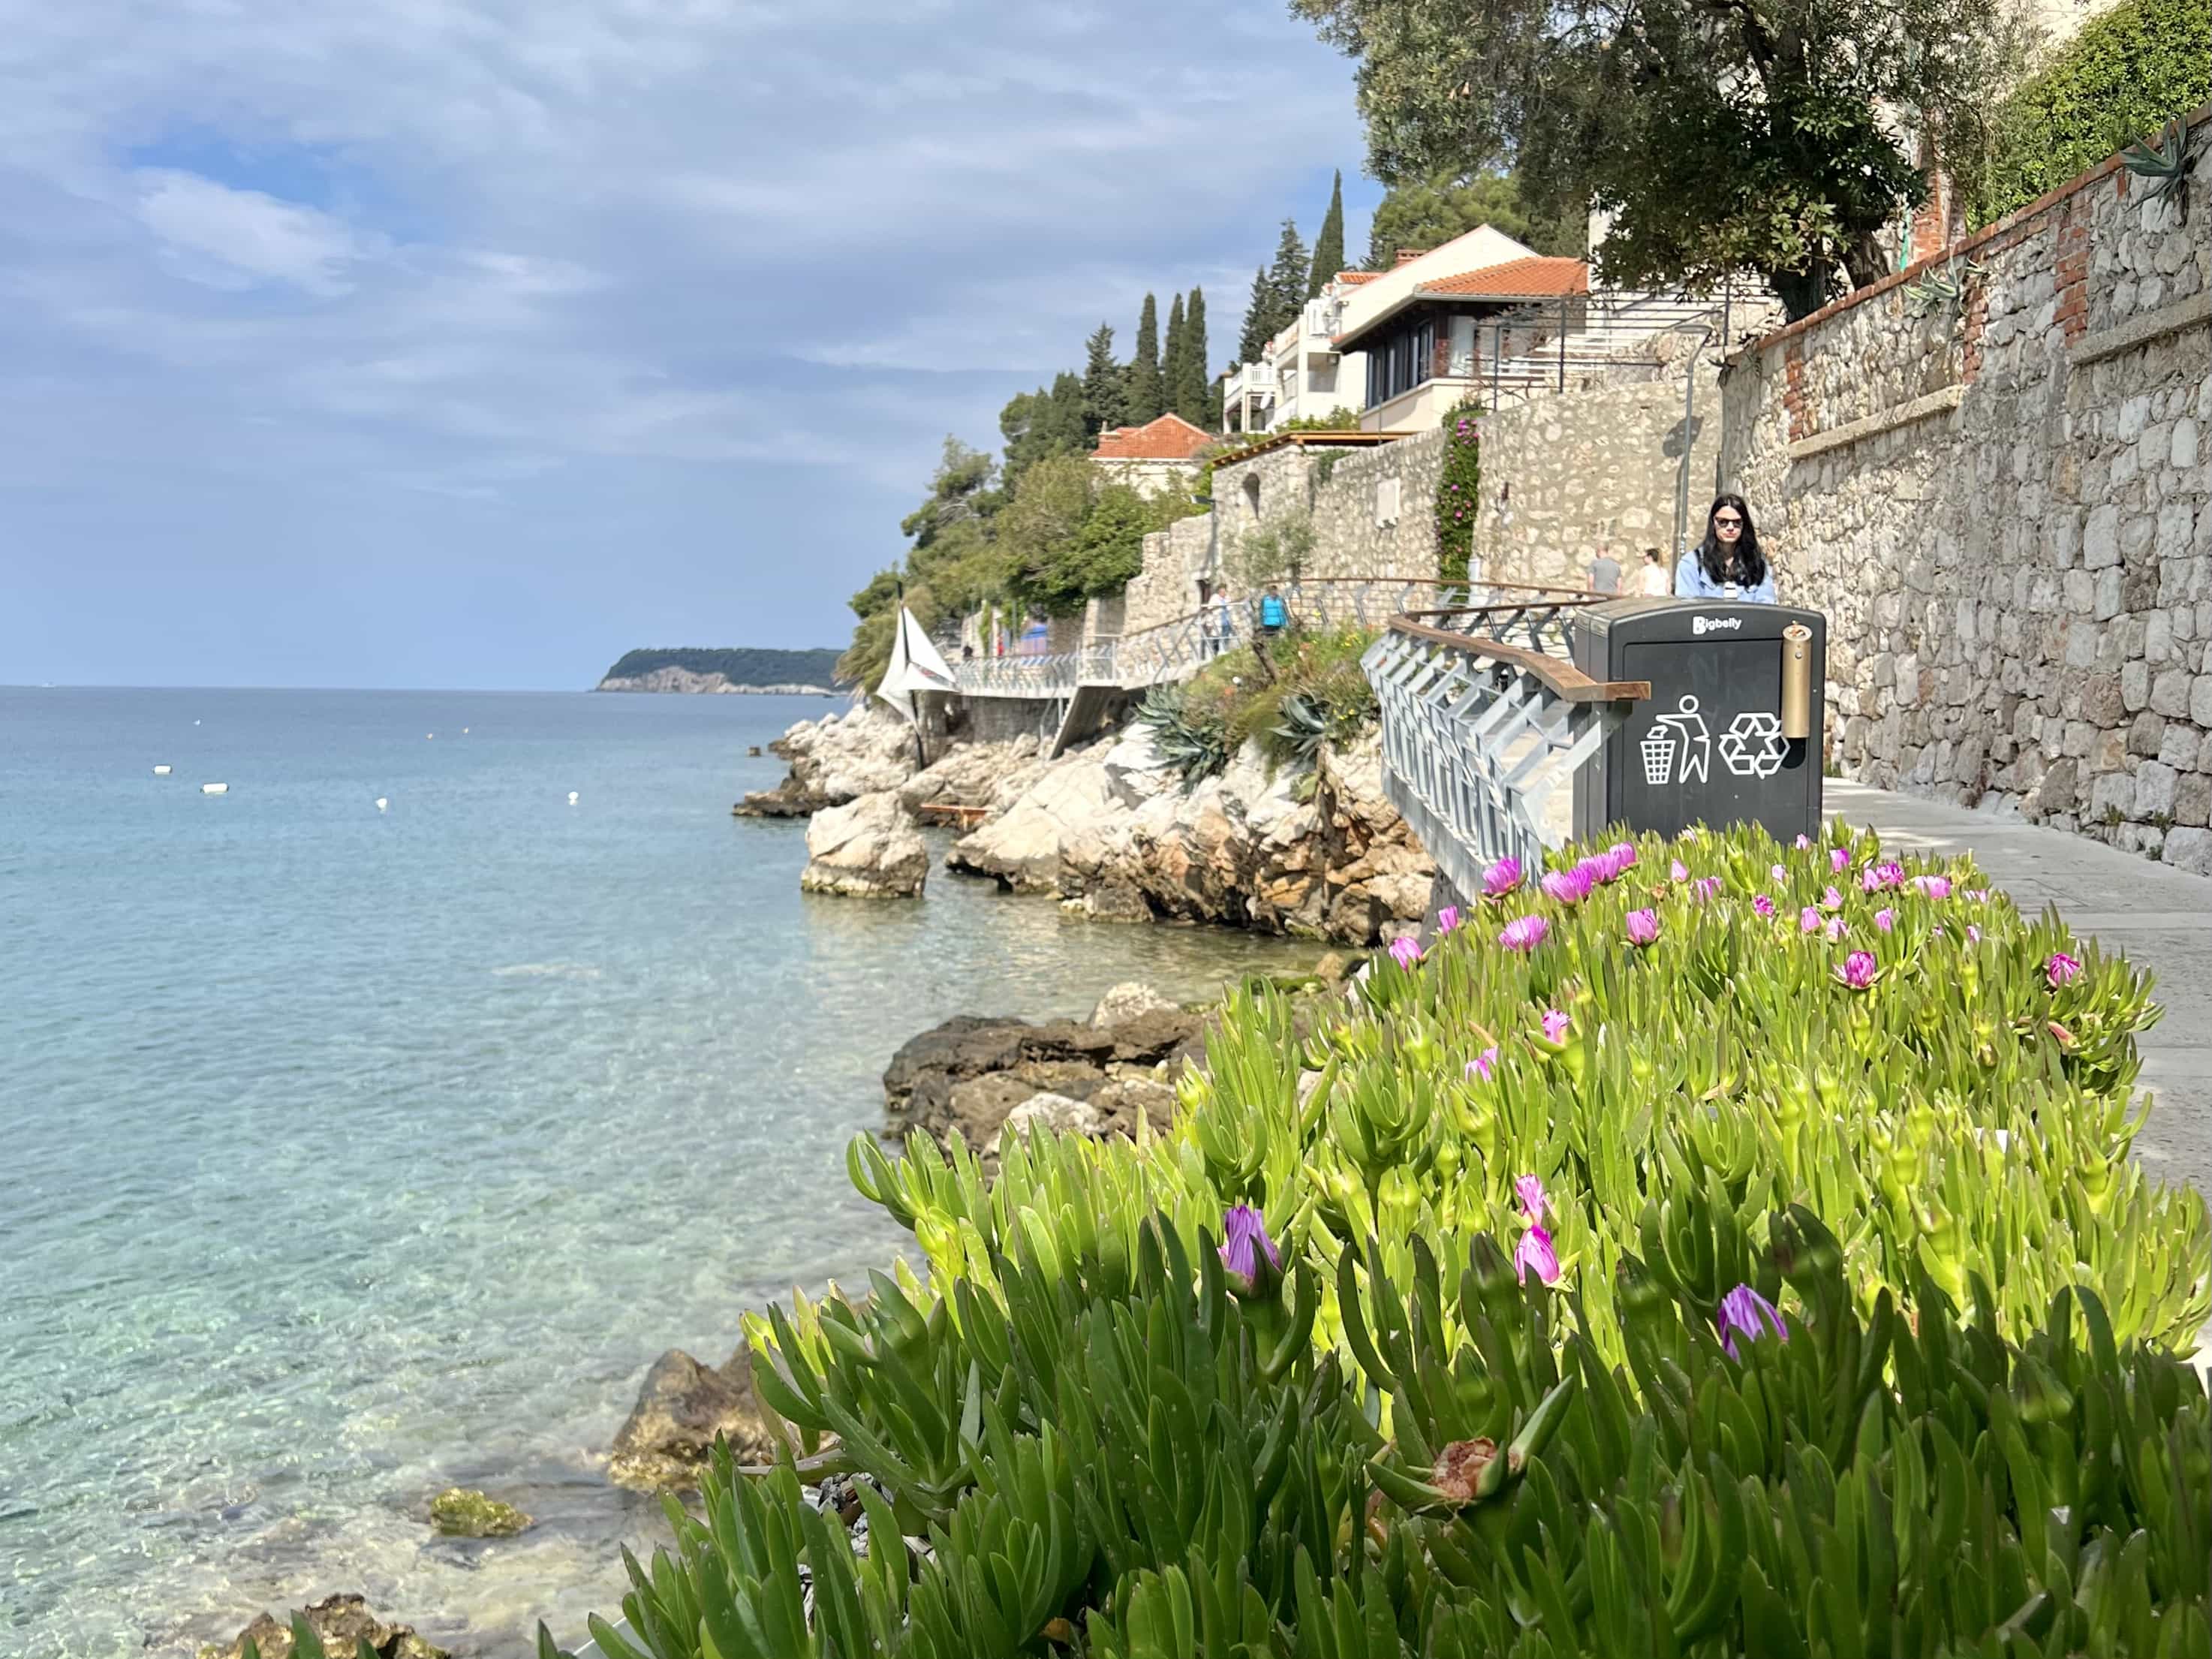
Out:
{"x": 1678, "y": 870}
{"x": 1529, "y": 1192}
{"x": 1762, "y": 904}
{"x": 2061, "y": 968}
{"x": 1808, "y": 920}
{"x": 1524, "y": 932}
{"x": 1244, "y": 1246}
{"x": 1484, "y": 1064}
{"x": 1859, "y": 970}
{"x": 1568, "y": 886}
{"x": 1447, "y": 917}
{"x": 1745, "y": 1312}
{"x": 1534, "y": 1253}
{"x": 1934, "y": 887}
{"x": 1886, "y": 919}
{"x": 1501, "y": 879}
{"x": 1643, "y": 926}
{"x": 1405, "y": 951}
{"x": 1555, "y": 1025}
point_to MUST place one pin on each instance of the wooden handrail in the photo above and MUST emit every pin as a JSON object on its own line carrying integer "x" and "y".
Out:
{"x": 1564, "y": 680}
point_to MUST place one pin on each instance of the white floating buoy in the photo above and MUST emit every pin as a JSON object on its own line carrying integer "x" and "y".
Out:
{"x": 464, "y": 731}
{"x": 381, "y": 803}
{"x": 571, "y": 798}
{"x": 214, "y": 789}
{"x": 160, "y": 771}
{"x": 429, "y": 734}
{"x": 194, "y": 722}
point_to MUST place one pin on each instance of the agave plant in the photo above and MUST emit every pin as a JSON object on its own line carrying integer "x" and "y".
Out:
{"x": 2166, "y": 164}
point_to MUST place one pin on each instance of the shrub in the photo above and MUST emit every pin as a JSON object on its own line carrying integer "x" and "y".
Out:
{"x": 1459, "y": 491}
{"x": 2125, "y": 75}
{"x": 1309, "y": 690}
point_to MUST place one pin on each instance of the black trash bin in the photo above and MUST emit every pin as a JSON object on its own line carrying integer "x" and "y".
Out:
{"x": 1728, "y": 735}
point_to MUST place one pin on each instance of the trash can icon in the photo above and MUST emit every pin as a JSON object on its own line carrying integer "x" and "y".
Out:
{"x": 1658, "y": 746}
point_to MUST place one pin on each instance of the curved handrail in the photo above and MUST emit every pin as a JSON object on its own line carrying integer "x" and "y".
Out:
{"x": 1563, "y": 679}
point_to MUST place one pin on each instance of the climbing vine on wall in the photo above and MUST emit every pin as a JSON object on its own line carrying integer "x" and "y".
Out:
{"x": 1459, "y": 491}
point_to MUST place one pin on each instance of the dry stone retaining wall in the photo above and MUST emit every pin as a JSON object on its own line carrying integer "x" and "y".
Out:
{"x": 2002, "y": 506}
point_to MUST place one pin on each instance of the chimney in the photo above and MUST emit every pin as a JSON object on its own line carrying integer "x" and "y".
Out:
{"x": 1407, "y": 254}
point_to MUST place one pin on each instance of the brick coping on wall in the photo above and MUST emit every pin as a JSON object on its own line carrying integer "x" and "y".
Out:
{"x": 2001, "y": 229}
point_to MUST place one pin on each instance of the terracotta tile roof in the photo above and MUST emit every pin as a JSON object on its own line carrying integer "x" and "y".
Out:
{"x": 1353, "y": 278}
{"x": 1517, "y": 279}
{"x": 1170, "y": 438}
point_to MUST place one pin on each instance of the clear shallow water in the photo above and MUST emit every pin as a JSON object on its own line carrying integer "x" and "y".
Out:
{"x": 350, "y": 1154}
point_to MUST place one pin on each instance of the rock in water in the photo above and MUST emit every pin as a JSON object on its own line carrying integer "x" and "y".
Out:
{"x": 680, "y": 1409}
{"x": 1061, "y": 1114}
{"x": 341, "y": 1623}
{"x": 835, "y": 760}
{"x": 464, "y": 1512}
{"x": 865, "y": 849}
{"x": 1128, "y": 1000}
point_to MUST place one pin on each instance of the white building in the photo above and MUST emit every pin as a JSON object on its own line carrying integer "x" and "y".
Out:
{"x": 1302, "y": 373}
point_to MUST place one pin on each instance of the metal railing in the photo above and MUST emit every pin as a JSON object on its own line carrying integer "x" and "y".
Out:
{"x": 1479, "y": 729}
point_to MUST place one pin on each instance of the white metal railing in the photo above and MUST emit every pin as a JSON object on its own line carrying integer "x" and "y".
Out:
{"x": 1479, "y": 726}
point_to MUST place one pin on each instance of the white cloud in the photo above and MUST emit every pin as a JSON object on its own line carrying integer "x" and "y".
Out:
{"x": 229, "y": 238}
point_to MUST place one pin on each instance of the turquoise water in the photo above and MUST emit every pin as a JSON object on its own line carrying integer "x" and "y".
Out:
{"x": 350, "y": 1154}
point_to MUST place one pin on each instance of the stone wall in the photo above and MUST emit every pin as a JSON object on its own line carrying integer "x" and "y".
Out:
{"x": 1167, "y": 587}
{"x": 2001, "y": 502}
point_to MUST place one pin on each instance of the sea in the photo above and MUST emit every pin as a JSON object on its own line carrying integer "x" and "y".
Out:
{"x": 370, "y": 1128}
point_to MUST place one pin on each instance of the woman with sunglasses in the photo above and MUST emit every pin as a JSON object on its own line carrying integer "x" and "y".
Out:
{"x": 1726, "y": 564}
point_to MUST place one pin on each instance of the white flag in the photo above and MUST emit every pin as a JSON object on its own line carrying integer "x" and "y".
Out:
{"x": 914, "y": 667}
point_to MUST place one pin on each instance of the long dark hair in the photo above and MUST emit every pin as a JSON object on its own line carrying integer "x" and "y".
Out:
{"x": 1713, "y": 558}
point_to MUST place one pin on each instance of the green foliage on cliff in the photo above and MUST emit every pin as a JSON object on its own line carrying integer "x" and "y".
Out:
{"x": 739, "y": 665}
{"x": 2123, "y": 77}
{"x": 1426, "y": 213}
{"x": 1289, "y": 695}
{"x": 1459, "y": 491}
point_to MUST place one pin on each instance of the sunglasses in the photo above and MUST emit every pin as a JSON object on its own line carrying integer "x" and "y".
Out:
{"x": 1727, "y": 524}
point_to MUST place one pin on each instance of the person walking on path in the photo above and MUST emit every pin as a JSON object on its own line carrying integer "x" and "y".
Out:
{"x": 1219, "y": 626}
{"x": 1728, "y": 564}
{"x": 1657, "y": 584}
{"x": 1605, "y": 571}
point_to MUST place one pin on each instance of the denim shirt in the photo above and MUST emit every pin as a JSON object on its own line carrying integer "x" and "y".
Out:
{"x": 1690, "y": 583}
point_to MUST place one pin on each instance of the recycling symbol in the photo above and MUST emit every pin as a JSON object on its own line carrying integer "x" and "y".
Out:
{"x": 1751, "y": 747}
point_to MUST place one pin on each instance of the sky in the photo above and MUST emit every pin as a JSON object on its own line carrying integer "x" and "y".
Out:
{"x": 471, "y": 343}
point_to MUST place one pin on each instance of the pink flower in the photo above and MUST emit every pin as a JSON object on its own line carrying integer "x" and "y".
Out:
{"x": 1614, "y": 862}
{"x": 1888, "y": 873}
{"x": 1977, "y": 894}
{"x": 1484, "y": 1064}
{"x": 1501, "y": 879}
{"x": 1839, "y": 860}
{"x": 1643, "y": 926}
{"x": 1780, "y": 873}
{"x": 1524, "y": 932}
{"x": 1934, "y": 887}
{"x": 1869, "y": 879}
{"x": 1529, "y": 1189}
{"x": 1831, "y": 900}
{"x": 1808, "y": 920}
{"x": 2061, "y": 968}
{"x": 1534, "y": 1253}
{"x": 1704, "y": 887}
{"x": 1745, "y": 1312}
{"x": 1568, "y": 886}
{"x": 1762, "y": 904}
{"x": 1974, "y": 934}
{"x": 1555, "y": 1025}
{"x": 1679, "y": 871}
{"x": 1804, "y": 843}
{"x": 1447, "y": 919}
{"x": 1886, "y": 919}
{"x": 1859, "y": 970}
{"x": 1405, "y": 951}
{"x": 1836, "y": 929}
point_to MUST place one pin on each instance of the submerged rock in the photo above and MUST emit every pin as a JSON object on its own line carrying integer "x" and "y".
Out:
{"x": 969, "y": 1075}
{"x": 865, "y": 849}
{"x": 464, "y": 1512}
{"x": 681, "y": 1407}
{"x": 341, "y": 1623}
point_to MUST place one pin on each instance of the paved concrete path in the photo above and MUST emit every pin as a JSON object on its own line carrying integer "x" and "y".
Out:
{"x": 2161, "y": 917}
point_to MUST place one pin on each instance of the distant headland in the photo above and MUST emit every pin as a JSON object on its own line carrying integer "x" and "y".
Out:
{"x": 758, "y": 670}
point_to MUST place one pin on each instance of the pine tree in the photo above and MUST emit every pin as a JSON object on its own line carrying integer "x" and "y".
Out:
{"x": 1252, "y": 343}
{"x": 1195, "y": 403}
{"x": 1287, "y": 277}
{"x": 1103, "y": 384}
{"x": 1171, "y": 359}
{"x": 1147, "y": 393}
{"x": 1328, "y": 246}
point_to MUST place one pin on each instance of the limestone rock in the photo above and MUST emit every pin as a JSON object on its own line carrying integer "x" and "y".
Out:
{"x": 865, "y": 849}
{"x": 341, "y": 1623}
{"x": 967, "y": 775}
{"x": 1022, "y": 847}
{"x": 1126, "y": 1001}
{"x": 1062, "y": 1114}
{"x": 1125, "y": 1100}
{"x": 969, "y": 1074}
{"x": 464, "y": 1512}
{"x": 681, "y": 1407}
{"x": 835, "y": 760}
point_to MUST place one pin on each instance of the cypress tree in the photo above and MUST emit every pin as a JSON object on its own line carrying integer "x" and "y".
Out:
{"x": 1172, "y": 360}
{"x": 1103, "y": 384}
{"x": 1328, "y": 246}
{"x": 1259, "y": 313}
{"x": 1147, "y": 393}
{"x": 1287, "y": 277}
{"x": 1197, "y": 399}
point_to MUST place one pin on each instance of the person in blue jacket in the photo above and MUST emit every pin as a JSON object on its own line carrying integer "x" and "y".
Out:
{"x": 1726, "y": 564}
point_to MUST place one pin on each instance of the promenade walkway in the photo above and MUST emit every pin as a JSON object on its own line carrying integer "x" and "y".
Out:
{"x": 2162, "y": 917}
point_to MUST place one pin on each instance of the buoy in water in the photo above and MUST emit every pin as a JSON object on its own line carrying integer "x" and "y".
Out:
{"x": 160, "y": 771}
{"x": 571, "y": 798}
{"x": 214, "y": 789}
{"x": 381, "y": 803}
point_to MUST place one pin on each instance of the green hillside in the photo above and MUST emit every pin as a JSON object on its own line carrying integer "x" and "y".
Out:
{"x": 739, "y": 665}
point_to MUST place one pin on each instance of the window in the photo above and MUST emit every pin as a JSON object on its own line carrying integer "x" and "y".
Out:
{"x": 1386, "y": 501}
{"x": 1406, "y": 361}
{"x": 1462, "y": 349}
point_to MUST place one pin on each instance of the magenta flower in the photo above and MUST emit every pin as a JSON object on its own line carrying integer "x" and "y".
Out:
{"x": 1622, "y": 855}
{"x": 1977, "y": 894}
{"x": 1744, "y": 1312}
{"x": 1243, "y": 1240}
{"x": 1762, "y": 904}
{"x": 1484, "y": 1064}
{"x": 1808, "y": 920}
{"x": 1836, "y": 929}
{"x": 1555, "y": 1025}
{"x": 1678, "y": 870}
{"x": 1831, "y": 900}
{"x": 1524, "y": 932}
{"x": 1704, "y": 887}
{"x": 1888, "y": 873}
{"x": 1568, "y": 886}
{"x": 2061, "y": 968}
{"x": 1534, "y": 1253}
{"x": 1643, "y": 926}
{"x": 1447, "y": 919}
{"x": 1934, "y": 887}
{"x": 1859, "y": 970}
{"x": 1501, "y": 879}
{"x": 1405, "y": 951}
{"x": 1529, "y": 1189}
{"x": 1804, "y": 843}
{"x": 1839, "y": 860}
{"x": 1886, "y": 919}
